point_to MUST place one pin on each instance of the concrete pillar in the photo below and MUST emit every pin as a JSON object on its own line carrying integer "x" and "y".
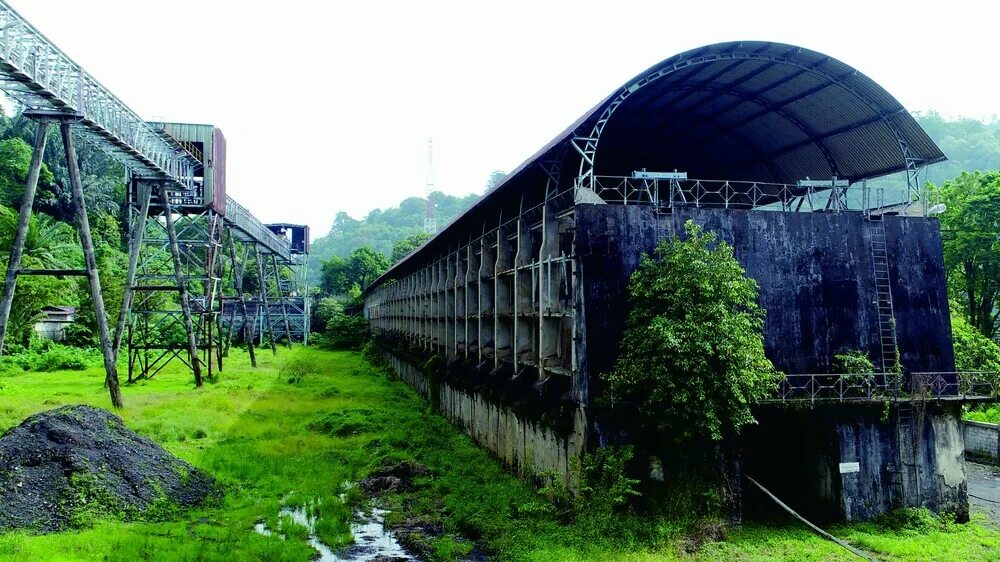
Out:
{"x": 503, "y": 296}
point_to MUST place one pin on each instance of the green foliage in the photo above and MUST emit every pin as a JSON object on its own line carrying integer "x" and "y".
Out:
{"x": 340, "y": 276}
{"x": 692, "y": 359}
{"x": 852, "y": 362}
{"x": 325, "y": 309}
{"x": 405, "y": 246}
{"x": 973, "y": 350}
{"x": 46, "y": 356}
{"x": 496, "y": 177}
{"x": 15, "y": 159}
{"x": 381, "y": 229}
{"x": 346, "y": 331}
{"x": 969, "y": 143}
{"x": 972, "y": 251}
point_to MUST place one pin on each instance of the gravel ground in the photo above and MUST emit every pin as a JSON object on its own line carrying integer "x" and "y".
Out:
{"x": 984, "y": 488}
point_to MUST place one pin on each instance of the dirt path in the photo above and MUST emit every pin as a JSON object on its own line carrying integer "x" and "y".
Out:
{"x": 984, "y": 489}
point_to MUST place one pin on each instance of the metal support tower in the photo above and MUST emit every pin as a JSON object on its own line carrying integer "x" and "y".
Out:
{"x": 174, "y": 295}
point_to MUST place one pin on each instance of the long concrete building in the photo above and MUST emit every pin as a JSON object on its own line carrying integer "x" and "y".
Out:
{"x": 506, "y": 317}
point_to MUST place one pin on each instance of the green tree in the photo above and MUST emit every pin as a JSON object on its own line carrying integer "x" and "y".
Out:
{"x": 496, "y": 177}
{"x": 360, "y": 269}
{"x": 49, "y": 244}
{"x": 692, "y": 357}
{"x": 973, "y": 350}
{"x": 405, "y": 246}
{"x": 972, "y": 248}
{"x": 365, "y": 265}
{"x": 15, "y": 159}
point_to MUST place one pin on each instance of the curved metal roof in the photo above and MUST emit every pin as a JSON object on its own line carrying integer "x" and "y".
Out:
{"x": 747, "y": 110}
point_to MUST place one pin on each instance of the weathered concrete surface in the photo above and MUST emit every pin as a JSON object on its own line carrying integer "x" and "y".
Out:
{"x": 815, "y": 273}
{"x": 909, "y": 459}
{"x": 982, "y": 440}
{"x": 524, "y": 445}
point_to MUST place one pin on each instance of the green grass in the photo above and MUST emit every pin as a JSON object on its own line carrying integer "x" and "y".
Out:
{"x": 304, "y": 423}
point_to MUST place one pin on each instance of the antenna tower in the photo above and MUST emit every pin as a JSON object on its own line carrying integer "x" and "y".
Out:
{"x": 430, "y": 217}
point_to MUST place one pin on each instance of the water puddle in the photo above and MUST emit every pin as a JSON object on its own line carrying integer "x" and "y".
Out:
{"x": 371, "y": 539}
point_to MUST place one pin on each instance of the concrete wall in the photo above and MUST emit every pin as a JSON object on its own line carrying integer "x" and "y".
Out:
{"x": 982, "y": 440}
{"x": 903, "y": 459}
{"x": 909, "y": 459}
{"x": 815, "y": 273}
{"x": 525, "y": 446}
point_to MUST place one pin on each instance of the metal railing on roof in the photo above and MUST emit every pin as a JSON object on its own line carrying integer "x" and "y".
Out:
{"x": 877, "y": 387}
{"x": 805, "y": 196}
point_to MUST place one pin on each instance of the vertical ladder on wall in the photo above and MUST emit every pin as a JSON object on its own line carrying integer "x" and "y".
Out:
{"x": 883, "y": 292}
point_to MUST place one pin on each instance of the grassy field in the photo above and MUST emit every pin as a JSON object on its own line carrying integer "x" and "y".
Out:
{"x": 306, "y": 422}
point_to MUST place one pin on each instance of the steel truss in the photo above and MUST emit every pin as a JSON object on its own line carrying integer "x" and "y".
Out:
{"x": 502, "y": 300}
{"x": 172, "y": 303}
{"x": 175, "y": 294}
{"x": 586, "y": 144}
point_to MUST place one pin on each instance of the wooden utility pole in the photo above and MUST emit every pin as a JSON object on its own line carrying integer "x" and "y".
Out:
{"x": 239, "y": 268}
{"x": 90, "y": 260}
{"x": 175, "y": 252}
{"x": 144, "y": 192}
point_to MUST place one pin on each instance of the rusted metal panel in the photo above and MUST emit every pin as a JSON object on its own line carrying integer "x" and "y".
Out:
{"x": 208, "y": 145}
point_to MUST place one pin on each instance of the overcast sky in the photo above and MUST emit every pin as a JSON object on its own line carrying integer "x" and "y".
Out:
{"x": 327, "y": 105}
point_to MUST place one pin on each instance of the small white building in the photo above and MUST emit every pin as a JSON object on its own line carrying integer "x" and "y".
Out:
{"x": 52, "y": 325}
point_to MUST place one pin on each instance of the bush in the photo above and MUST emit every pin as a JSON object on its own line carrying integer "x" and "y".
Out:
{"x": 45, "y": 356}
{"x": 692, "y": 357}
{"x": 852, "y": 362}
{"x": 346, "y": 331}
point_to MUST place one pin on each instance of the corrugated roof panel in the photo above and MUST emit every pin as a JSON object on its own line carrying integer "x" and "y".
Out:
{"x": 870, "y": 147}
{"x": 803, "y": 162}
{"x": 773, "y": 132}
{"x": 829, "y": 110}
{"x": 782, "y": 90}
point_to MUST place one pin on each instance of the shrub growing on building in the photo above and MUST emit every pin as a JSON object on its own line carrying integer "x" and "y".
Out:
{"x": 692, "y": 357}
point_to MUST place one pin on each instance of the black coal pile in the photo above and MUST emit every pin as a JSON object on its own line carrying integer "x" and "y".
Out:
{"x": 70, "y": 466}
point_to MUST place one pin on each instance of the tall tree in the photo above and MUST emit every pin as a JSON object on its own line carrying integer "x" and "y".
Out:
{"x": 360, "y": 269}
{"x": 972, "y": 247}
{"x": 405, "y": 246}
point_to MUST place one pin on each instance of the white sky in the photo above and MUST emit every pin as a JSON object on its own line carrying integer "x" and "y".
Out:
{"x": 328, "y": 105}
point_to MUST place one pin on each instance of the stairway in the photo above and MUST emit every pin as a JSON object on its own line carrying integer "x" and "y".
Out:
{"x": 883, "y": 292}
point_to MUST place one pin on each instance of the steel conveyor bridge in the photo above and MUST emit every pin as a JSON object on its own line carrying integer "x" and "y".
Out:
{"x": 55, "y": 90}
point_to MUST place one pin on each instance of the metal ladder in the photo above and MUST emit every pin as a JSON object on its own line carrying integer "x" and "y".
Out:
{"x": 883, "y": 292}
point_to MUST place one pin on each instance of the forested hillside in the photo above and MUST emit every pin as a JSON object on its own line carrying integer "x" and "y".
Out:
{"x": 381, "y": 229}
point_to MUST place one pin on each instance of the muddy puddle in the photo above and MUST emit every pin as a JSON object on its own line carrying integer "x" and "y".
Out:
{"x": 371, "y": 539}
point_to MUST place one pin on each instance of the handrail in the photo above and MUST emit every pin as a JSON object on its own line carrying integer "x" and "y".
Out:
{"x": 866, "y": 387}
{"x": 43, "y": 78}
{"x": 241, "y": 219}
{"x": 811, "y": 196}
